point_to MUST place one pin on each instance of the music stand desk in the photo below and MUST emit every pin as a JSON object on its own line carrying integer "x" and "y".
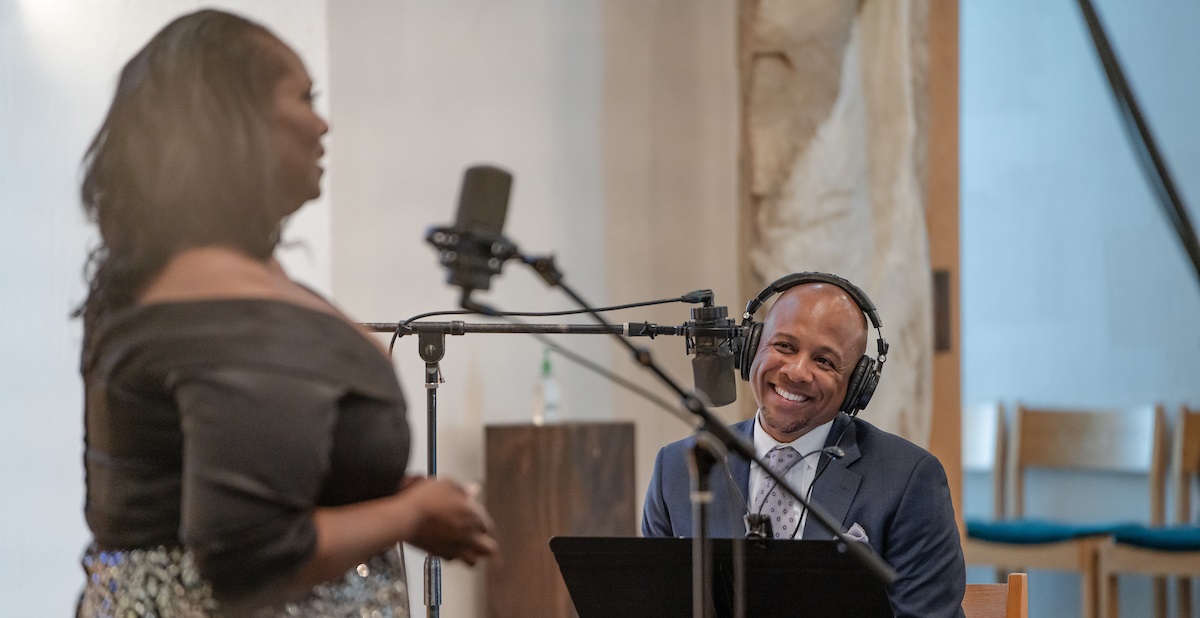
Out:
{"x": 631, "y": 576}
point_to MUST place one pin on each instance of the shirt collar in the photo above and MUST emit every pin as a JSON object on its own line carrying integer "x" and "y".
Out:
{"x": 812, "y": 441}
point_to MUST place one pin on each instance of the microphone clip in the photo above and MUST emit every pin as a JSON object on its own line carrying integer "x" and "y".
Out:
{"x": 710, "y": 331}
{"x": 545, "y": 267}
{"x": 758, "y": 527}
{"x": 471, "y": 256}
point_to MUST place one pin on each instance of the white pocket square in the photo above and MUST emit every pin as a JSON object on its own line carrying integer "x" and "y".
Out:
{"x": 856, "y": 533}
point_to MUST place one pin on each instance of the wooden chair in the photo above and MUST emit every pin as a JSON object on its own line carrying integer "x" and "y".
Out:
{"x": 1173, "y": 551}
{"x": 1008, "y": 600}
{"x": 984, "y": 449}
{"x": 1125, "y": 441}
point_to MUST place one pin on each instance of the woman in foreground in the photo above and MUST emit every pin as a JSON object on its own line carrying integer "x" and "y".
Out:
{"x": 246, "y": 443}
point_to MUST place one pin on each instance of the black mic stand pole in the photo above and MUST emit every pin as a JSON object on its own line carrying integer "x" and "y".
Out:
{"x": 710, "y": 427}
{"x": 703, "y": 456}
{"x": 431, "y": 344}
{"x": 432, "y": 347}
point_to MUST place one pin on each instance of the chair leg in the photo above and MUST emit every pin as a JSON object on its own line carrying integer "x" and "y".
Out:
{"x": 1088, "y": 599}
{"x": 1183, "y": 596}
{"x": 1089, "y": 576}
{"x": 1161, "y": 601}
{"x": 1160, "y": 597}
{"x": 1109, "y": 596}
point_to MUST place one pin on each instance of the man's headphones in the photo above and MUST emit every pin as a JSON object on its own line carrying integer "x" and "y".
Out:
{"x": 865, "y": 377}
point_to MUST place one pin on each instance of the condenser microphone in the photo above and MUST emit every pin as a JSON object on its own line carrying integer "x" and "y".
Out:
{"x": 473, "y": 250}
{"x": 713, "y": 334}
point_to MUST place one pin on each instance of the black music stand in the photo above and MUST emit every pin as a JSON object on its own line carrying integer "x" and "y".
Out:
{"x": 629, "y": 576}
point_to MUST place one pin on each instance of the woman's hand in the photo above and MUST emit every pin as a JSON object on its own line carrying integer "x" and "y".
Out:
{"x": 438, "y": 516}
{"x": 451, "y": 523}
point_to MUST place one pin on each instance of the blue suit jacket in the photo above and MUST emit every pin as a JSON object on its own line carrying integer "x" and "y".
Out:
{"x": 895, "y": 490}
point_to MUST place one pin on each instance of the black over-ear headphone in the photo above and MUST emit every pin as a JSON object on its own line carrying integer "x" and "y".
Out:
{"x": 865, "y": 377}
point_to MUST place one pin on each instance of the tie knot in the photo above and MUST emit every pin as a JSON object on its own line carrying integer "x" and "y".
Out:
{"x": 781, "y": 459}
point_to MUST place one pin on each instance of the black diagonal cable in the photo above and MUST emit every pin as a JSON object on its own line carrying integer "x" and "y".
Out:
{"x": 1142, "y": 140}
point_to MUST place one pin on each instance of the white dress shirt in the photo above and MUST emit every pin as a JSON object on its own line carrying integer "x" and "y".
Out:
{"x": 800, "y": 477}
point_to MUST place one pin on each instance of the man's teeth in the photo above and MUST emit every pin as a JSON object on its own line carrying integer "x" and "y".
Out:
{"x": 789, "y": 396}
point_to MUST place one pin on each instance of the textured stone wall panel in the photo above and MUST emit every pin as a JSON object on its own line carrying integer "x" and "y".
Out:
{"x": 836, "y": 136}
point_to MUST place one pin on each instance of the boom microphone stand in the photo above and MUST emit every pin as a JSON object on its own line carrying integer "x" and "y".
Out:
{"x": 710, "y": 429}
{"x": 431, "y": 344}
{"x": 713, "y": 438}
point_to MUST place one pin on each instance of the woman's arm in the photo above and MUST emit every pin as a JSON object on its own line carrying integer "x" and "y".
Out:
{"x": 257, "y": 446}
{"x": 437, "y": 516}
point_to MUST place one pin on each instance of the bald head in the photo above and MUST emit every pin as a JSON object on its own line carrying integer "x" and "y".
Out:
{"x": 825, "y": 303}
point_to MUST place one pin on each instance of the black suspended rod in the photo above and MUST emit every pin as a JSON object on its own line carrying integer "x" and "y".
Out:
{"x": 1142, "y": 139}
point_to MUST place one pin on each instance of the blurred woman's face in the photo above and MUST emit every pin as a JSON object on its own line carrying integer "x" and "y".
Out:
{"x": 296, "y": 131}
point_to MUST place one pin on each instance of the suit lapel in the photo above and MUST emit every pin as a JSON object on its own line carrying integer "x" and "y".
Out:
{"x": 738, "y": 464}
{"x": 728, "y": 506}
{"x": 836, "y": 486}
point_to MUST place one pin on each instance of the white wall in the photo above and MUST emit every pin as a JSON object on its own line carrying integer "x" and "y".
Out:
{"x": 421, "y": 91}
{"x": 618, "y": 120}
{"x": 1075, "y": 290}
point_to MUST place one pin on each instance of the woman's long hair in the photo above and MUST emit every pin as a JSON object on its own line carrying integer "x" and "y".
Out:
{"x": 184, "y": 157}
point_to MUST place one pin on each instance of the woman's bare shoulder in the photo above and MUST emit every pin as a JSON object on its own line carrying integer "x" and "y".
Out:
{"x": 208, "y": 273}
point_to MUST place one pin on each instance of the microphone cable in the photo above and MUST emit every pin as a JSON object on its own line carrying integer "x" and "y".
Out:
{"x": 690, "y": 297}
{"x": 837, "y": 453}
{"x": 755, "y": 525}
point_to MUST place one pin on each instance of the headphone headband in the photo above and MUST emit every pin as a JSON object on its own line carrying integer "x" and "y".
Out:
{"x": 790, "y": 281}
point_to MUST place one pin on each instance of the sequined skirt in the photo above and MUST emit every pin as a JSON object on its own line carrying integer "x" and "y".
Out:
{"x": 162, "y": 582}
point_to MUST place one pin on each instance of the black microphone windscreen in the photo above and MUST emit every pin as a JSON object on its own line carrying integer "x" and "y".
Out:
{"x": 713, "y": 376}
{"x": 483, "y": 199}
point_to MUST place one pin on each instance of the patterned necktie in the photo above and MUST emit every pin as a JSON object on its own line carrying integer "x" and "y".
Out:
{"x": 774, "y": 502}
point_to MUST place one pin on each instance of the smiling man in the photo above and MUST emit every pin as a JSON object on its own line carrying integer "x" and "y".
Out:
{"x": 883, "y": 489}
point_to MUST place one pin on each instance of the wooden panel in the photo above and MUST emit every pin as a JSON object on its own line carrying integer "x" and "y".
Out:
{"x": 571, "y": 479}
{"x": 941, "y": 220}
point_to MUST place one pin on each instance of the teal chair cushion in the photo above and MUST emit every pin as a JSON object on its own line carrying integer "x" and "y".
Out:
{"x": 1035, "y": 531}
{"x": 1178, "y": 538}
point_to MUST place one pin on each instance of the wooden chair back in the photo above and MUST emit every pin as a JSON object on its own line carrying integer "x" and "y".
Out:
{"x": 1117, "y": 558}
{"x": 1112, "y": 441}
{"x": 1007, "y": 600}
{"x": 1185, "y": 461}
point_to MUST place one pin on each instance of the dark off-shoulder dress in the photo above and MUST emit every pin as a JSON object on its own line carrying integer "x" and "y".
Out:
{"x": 213, "y": 429}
